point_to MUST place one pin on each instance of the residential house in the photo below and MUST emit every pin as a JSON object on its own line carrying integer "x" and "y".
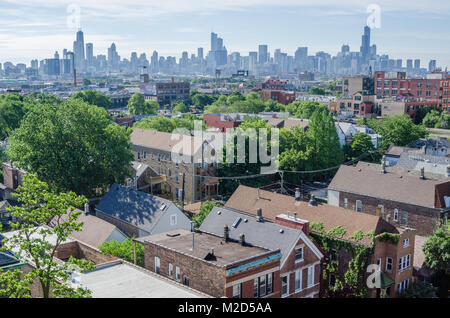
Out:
{"x": 301, "y": 260}
{"x": 215, "y": 265}
{"x": 288, "y": 123}
{"x": 438, "y": 166}
{"x": 410, "y": 201}
{"x": 183, "y": 162}
{"x": 394, "y": 258}
{"x": 435, "y": 146}
{"x": 140, "y": 214}
{"x": 394, "y": 152}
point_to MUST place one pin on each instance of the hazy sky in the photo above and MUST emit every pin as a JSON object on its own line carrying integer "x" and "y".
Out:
{"x": 37, "y": 28}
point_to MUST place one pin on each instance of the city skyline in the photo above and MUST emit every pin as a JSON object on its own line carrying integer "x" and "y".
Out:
{"x": 189, "y": 34}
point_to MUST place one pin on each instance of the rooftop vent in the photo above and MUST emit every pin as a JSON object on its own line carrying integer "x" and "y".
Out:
{"x": 236, "y": 222}
{"x": 162, "y": 207}
{"x": 281, "y": 231}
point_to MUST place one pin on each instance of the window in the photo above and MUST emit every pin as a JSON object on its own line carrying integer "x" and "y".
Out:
{"x": 310, "y": 276}
{"x": 186, "y": 281}
{"x": 284, "y": 286}
{"x": 388, "y": 264}
{"x": 170, "y": 270}
{"x": 332, "y": 280}
{"x": 402, "y": 286}
{"x": 177, "y": 273}
{"x": 145, "y": 154}
{"x": 404, "y": 219}
{"x": 382, "y": 210}
{"x": 173, "y": 220}
{"x": 255, "y": 288}
{"x": 269, "y": 284}
{"x": 298, "y": 280}
{"x": 346, "y": 203}
{"x": 379, "y": 264}
{"x": 299, "y": 254}
{"x": 262, "y": 286}
{"x": 396, "y": 215}
{"x": 358, "y": 205}
{"x": 237, "y": 290}
{"x": 406, "y": 242}
{"x": 157, "y": 265}
{"x": 404, "y": 263}
{"x": 334, "y": 255}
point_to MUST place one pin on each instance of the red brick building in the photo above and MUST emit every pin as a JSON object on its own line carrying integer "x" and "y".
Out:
{"x": 217, "y": 266}
{"x": 281, "y": 97}
{"x": 444, "y": 94}
{"x": 301, "y": 261}
{"x": 393, "y": 84}
{"x": 222, "y": 121}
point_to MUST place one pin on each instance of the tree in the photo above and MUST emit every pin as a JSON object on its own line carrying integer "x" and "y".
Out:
{"x": 86, "y": 82}
{"x": 399, "y": 130}
{"x": 200, "y": 101}
{"x": 180, "y": 108}
{"x": 37, "y": 207}
{"x": 361, "y": 144}
{"x": 137, "y": 105}
{"x": 94, "y": 98}
{"x": 437, "y": 256}
{"x": 419, "y": 289}
{"x": 72, "y": 147}
{"x": 205, "y": 209}
{"x": 124, "y": 250}
{"x": 305, "y": 109}
{"x": 436, "y": 119}
{"x": 318, "y": 91}
{"x": 13, "y": 107}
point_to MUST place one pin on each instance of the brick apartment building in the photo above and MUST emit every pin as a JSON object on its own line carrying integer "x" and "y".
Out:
{"x": 358, "y": 104}
{"x": 393, "y": 84}
{"x": 301, "y": 261}
{"x": 408, "y": 106}
{"x": 197, "y": 163}
{"x": 281, "y": 97}
{"x": 356, "y": 84}
{"x": 444, "y": 93}
{"x": 216, "y": 265}
{"x": 222, "y": 121}
{"x": 394, "y": 259}
{"x": 406, "y": 200}
{"x": 172, "y": 92}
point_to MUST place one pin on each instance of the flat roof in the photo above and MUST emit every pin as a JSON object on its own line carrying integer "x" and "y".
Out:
{"x": 225, "y": 253}
{"x": 122, "y": 280}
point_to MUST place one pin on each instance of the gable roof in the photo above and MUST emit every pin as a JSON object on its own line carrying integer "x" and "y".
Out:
{"x": 137, "y": 208}
{"x": 389, "y": 186}
{"x": 273, "y": 204}
{"x": 95, "y": 231}
{"x": 263, "y": 234}
{"x": 166, "y": 141}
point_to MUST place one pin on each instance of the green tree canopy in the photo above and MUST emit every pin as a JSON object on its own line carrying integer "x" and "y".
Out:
{"x": 180, "y": 107}
{"x": 437, "y": 256}
{"x": 72, "y": 147}
{"x": 137, "y": 105}
{"x": 38, "y": 206}
{"x": 124, "y": 250}
{"x": 305, "y": 109}
{"x": 361, "y": 144}
{"x": 399, "y": 130}
{"x": 205, "y": 209}
{"x": 94, "y": 98}
{"x": 436, "y": 119}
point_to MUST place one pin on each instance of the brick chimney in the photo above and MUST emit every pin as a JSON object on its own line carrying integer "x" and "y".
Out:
{"x": 293, "y": 222}
{"x": 383, "y": 165}
{"x": 259, "y": 216}
{"x": 422, "y": 173}
{"x": 242, "y": 239}
{"x": 298, "y": 195}
{"x": 226, "y": 233}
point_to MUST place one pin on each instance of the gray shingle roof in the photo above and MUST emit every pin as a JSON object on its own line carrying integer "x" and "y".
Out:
{"x": 137, "y": 208}
{"x": 262, "y": 234}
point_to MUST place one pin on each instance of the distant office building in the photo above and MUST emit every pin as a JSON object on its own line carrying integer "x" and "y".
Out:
{"x": 89, "y": 54}
{"x": 263, "y": 54}
{"x": 432, "y": 66}
{"x": 416, "y": 64}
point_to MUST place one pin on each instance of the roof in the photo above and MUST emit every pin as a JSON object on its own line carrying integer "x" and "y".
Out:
{"x": 389, "y": 186}
{"x": 273, "y": 204}
{"x": 95, "y": 231}
{"x": 181, "y": 241}
{"x": 140, "y": 168}
{"x": 166, "y": 141}
{"x": 419, "y": 255}
{"x": 123, "y": 280}
{"x": 193, "y": 208}
{"x": 400, "y": 170}
{"x": 7, "y": 259}
{"x": 288, "y": 123}
{"x": 264, "y": 234}
{"x": 396, "y": 151}
{"x": 433, "y": 164}
{"x": 139, "y": 209}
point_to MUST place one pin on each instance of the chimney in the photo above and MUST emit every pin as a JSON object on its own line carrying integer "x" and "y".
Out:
{"x": 259, "y": 216}
{"x": 212, "y": 251}
{"x": 383, "y": 165}
{"x": 422, "y": 173}
{"x": 86, "y": 208}
{"x": 297, "y": 194}
{"x": 257, "y": 195}
{"x": 242, "y": 239}
{"x": 295, "y": 216}
{"x": 226, "y": 233}
{"x": 313, "y": 201}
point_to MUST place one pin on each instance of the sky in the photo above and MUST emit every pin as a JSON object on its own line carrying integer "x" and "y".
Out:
{"x": 403, "y": 29}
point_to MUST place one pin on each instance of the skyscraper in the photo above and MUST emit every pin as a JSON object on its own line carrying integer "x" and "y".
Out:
{"x": 432, "y": 66}
{"x": 213, "y": 42}
{"x": 89, "y": 54}
{"x": 263, "y": 54}
{"x": 78, "y": 50}
{"x": 200, "y": 54}
{"x": 417, "y": 64}
{"x": 365, "y": 47}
